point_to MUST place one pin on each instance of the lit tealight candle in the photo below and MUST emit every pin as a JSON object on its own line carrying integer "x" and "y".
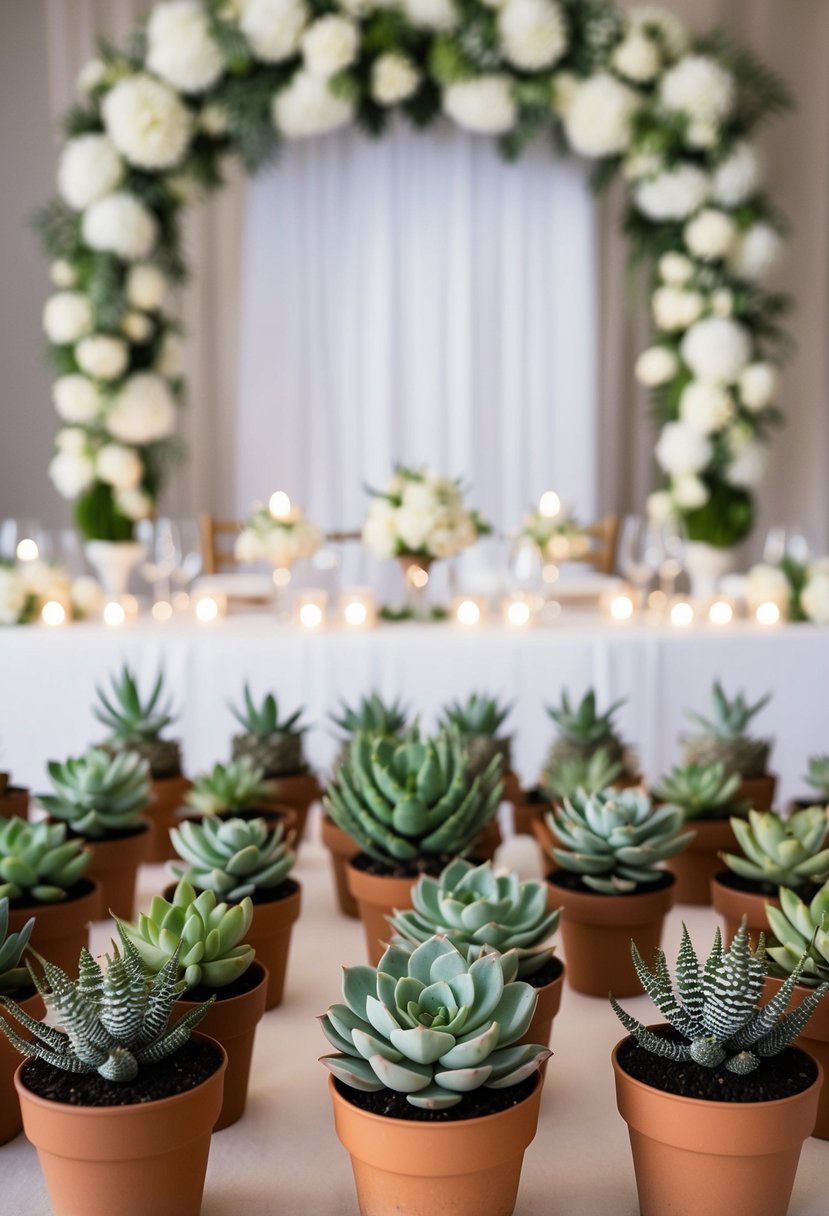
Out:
{"x": 720, "y": 612}
{"x": 114, "y": 614}
{"x": 682, "y": 614}
{"x": 162, "y": 610}
{"x": 207, "y": 609}
{"x": 768, "y": 613}
{"x": 310, "y": 607}
{"x": 281, "y": 577}
{"x": 53, "y": 613}
{"x": 517, "y": 611}
{"x": 27, "y": 550}
{"x": 549, "y": 504}
{"x": 279, "y": 505}
{"x": 468, "y": 610}
{"x": 358, "y": 608}
{"x": 621, "y": 608}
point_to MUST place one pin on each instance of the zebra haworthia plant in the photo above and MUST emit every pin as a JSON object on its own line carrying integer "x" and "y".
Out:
{"x": 37, "y": 863}
{"x": 783, "y": 852}
{"x": 98, "y": 794}
{"x": 235, "y": 786}
{"x": 716, "y": 1007}
{"x": 802, "y": 936}
{"x": 431, "y": 1025}
{"x": 12, "y": 976}
{"x": 136, "y": 725}
{"x": 231, "y": 857}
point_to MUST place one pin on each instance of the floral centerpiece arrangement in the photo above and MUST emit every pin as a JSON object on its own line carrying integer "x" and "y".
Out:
{"x": 422, "y": 515}
{"x": 803, "y": 586}
{"x": 26, "y": 586}
{"x": 278, "y": 537}
{"x": 558, "y": 537}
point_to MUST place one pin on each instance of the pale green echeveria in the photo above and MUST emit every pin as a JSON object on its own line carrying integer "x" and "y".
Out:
{"x": 12, "y": 945}
{"x": 98, "y": 793}
{"x": 818, "y": 775}
{"x": 231, "y": 857}
{"x": 480, "y": 911}
{"x": 802, "y": 936}
{"x": 230, "y": 787}
{"x": 581, "y": 775}
{"x": 785, "y": 852}
{"x": 432, "y": 1026}
{"x": 37, "y": 863}
{"x": 699, "y": 788}
{"x": 209, "y": 936}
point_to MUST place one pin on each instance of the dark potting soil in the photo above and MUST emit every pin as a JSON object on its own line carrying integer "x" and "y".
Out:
{"x": 184, "y": 1070}
{"x": 545, "y": 975}
{"x": 780, "y": 1076}
{"x": 537, "y": 797}
{"x": 270, "y": 895}
{"x": 573, "y": 882}
{"x": 736, "y": 882}
{"x": 472, "y": 1105}
{"x": 108, "y": 837}
{"x": 79, "y": 890}
{"x": 246, "y": 981}
{"x": 413, "y": 869}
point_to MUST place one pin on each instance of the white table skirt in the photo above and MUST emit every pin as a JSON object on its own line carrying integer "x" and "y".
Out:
{"x": 284, "y": 1158}
{"x": 48, "y": 678}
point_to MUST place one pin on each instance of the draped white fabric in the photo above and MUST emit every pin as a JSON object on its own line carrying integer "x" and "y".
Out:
{"x": 417, "y": 299}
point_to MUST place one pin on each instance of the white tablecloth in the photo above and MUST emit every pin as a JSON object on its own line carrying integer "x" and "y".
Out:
{"x": 283, "y": 1157}
{"x": 48, "y": 678}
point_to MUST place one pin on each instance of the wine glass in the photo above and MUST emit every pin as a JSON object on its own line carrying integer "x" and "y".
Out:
{"x": 640, "y": 553}
{"x": 13, "y": 533}
{"x": 163, "y": 549}
{"x": 672, "y": 551}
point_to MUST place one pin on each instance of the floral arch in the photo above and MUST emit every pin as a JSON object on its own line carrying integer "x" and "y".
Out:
{"x": 206, "y": 79}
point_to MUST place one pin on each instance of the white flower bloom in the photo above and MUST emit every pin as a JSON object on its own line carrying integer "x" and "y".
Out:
{"x": 394, "y": 78}
{"x": 308, "y": 107}
{"x": 672, "y": 195}
{"x": 13, "y": 596}
{"x": 76, "y": 399}
{"x": 71, "y": 473}
{"x": 703, "y": 133}
{"x": 248, "y": 547}
{"x": 87, "y": 596}
{"x": 674, "y": 308}
{"x": 722, "y": 302}
{"x": 748, "y": 467}
{"x": 91, "y": 75}
{"x": 637, "y": 57}
{"x": 814, "y": 598}
{"x": 119, "y": 467}
{"x": 675, "y": 269}
{"x": 62, "y": 274}
{"x": 431, "y": 14}
{"x": 705, "y": 407}
{"x": 758, "y": 386}
{"x": 120, "y": 224}
{"x": 680, "y": 449}
{"x": 102, "y": 356}
{"x": 213, "y": 120}
{"x": 71, "y": 439}
{"x": 146, "y": 287}
{"x": 689, "y": 492}
{"x": 170, "y": 360}
{"x": 532, "y": 33}
{"x": 598, "y": 122}
{"x": 565, "y": 87}
{"x": 738, "y": 177}
{"x": 143, "y": 411}
{"x": 766, "y": 583}
{"x": 757, "y": 252}
{"x": 330, "y": 45}
{"x": 484, "y": 105}
{"x": 67, "y": 316}
{"x": 699, "y": 87}
{"x": 663, "y": 25}
{"x": 148, "y": 122}
{"x": 656, "y": 365}
{"x": 414, "y": 526}
{"x": 380, "y": 529}
{"x": 710, "y": 234}
{"x": 659, "y": 506}
{"x": 274, "y": 27}
{"x": 135, "y": 504}
{"x": 717, "y": 350}
{"x": 89, "y": 167}
{"x": 44, "y": 580}
{"x": 180, "y": 47}
{"x": 137, "y": 327}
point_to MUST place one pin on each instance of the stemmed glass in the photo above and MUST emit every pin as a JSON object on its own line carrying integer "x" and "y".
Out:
{"x": 189, "y": 557}
{"x": 672, "y": 548}
{"x": 160, "y": 538}
{"x": 12, "y": 532}
{"x": 640, "y": 553}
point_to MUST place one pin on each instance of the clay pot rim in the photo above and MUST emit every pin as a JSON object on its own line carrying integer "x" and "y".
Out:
{"x": 16, "y": 789}
{"x": 422, "y": 1127}
{"x": 167, "y": 893}
{"x": 184, "y": 999}
{"x": 38, "y": 909}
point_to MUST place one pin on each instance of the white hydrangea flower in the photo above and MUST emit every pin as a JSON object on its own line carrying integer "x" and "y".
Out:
{"x": 137, "y": 327}
{"x": 674, "y": 308}
{"x": 102, "y": 356}
{"x": 717, "y": 350}
{"x": 722, "y": 302}
{"x": 91, "y": 75}
{"x": 248, "y": 548}
{"x": 180, "y": 47}
{"x": 13, "y": 596}
{"x": 705, "y": 407}
{"x": 699, "y": 87}
{"x": 146, "y": 287}
{"x": 170, "y": 359}
{"x": 76, "y": 399}
{"x": 598, "y": 121}
{"x": 681, "y": 449}
{"x": 656, "y": 365}
{"x": 274, "y": 27}
{"x": 63, "y": 274}
{"x": 484, "y": 105}
{"x": 87, "y": 596}
{"x": 689, "y": 492}
{"x": 674, "y": 194}
{"x": 143, "y": 411}
{"x": 738, "y": 177}
{"x": 89, "y": 167}
{"x": 380, "y": 529}
{"x": 308, "y": 107}
{"x": 703, "y": 132}
{"x": 119, "y": 467}
{"x": 814, "y": 598}
{"x": 134, "y": 503}
{"x": 758, "y": 386}
{"x": 750, "y": 461}
{"x": 532, "y": 33}
{"x": 757, "y": 252}
{"x": 431, "y": 14}
{"x": 675, "y": 269}
{"x": 71, "y": 473}
{"x": 120, "y": 224}
{"x": 330, "y": 45}
{"x": 147, "y": 121}
{"x": 710, "y": 234}
{"x": 659, "y": 506}
{"x": 71, "y": 439}
{"x": 565, "y": 87}
{"x": 663, "y": 25}
{"x": 637, "y": 57}
{"x": 394, "y": 78}
{"x": 67, "y": 316}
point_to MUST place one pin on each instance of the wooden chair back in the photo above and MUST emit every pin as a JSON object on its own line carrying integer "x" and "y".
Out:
{"x": 604, "y": 537}
{"x": 218, "y": 537}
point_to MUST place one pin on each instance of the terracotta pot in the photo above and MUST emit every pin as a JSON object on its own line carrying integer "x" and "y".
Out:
{"x": 733, "y": 904}
{"x": 11, "y": 1121}
{"x": 133, "y": 1160}
{"x": 164, "y": 812}
{"x": 377, "y": 896}
{"x": 487, "y": 842}
{"x": 342, "y": 848}
{"x": 815, "y": 1040}
{"x": 512, "y": 786}
{"x": 540, "y": 1028}
{"x": 115, "y": 865}
{"x": 270, "y": 936}
{"x": 297, "y": 792}
{"x": 758, "y": 792}
{"x": 14, "y": 802}
{"x": 232, "y": 1022}
{"x": 699, "y": 861}
{"x": 597, "y": 930}
{"x": 469, "y": 1167}
{"x": 61, "y": 929}
{"x": 529, "y": 806}
{"x": 700, "y": 1158}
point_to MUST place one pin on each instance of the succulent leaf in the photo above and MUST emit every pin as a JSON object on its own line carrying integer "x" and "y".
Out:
{"x": 98, "y": 793}
{"x": 37, "y": 863}
{"x": 232, "y": 857}
{"x": 786, "y": 852}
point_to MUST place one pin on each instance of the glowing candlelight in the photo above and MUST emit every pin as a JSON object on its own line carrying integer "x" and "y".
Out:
{"x": 27, "y": 550}
{"x": 682, "y": 614}
{"x": 358, "y": 608}
{"x": 114, "y": 614}
{"x": 468, "y": 610}
{"x": 621, "y": 608}
{"x": 720, "y": 612}
{"x": 162, "y": 610}
{"x": 310, "y": 608}
{"x": 549, "y": 504}
{"x": 207, "y": 609}
{"x": 517, "y": 611}
{"x": 768, "y": 613}
{"x": 279, "y": 505}
{"x": 53, "y": 613}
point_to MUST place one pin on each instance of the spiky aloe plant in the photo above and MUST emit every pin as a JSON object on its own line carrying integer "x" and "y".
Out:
{"x": 588, "y": 775}
{"x": 270, "y": 742}
{"x": 724, "y": 740}
{"x": 13, "y": 977}
{"x": 98, "y": 794}
{"x": 716, "y": 1007}
{"x": 583, "y": 731}
{"x": 231, "y": 857}
{"x": 480, "y": 911}
{"x": 818, "y": 776}
{"x": 407, "y": 802}
{"x": 699, "y": 791}
{"x": 802, "y": 936}
{"x": 372, "y": 715}
{"x": 37, "y": 863}
{"x": 136, "y": 725}
{"x": 113, "y": 1020}
{"x": 782, "y": 852}
{"x": 236, "y": 786}
{"x": 614, "y": 840}
{"x": 478, "y": 720}
{"x": 432, "y": 1026}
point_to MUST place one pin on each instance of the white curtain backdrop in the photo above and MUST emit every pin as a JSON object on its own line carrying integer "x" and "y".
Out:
{"x": 417, "y": 299}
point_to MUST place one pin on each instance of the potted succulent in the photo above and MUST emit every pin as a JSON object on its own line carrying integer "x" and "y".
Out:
{"x": 817, "y": 777}
{"x": 238, "y": 858}
{"x": 706, "y": 796}
{"x": 801, "y": 944}
{"x": 44, "y": 873}
{"x": 717, "y": 1102}
{"x": 137, "y": 725}
{"x": 276, "y": 746}
{"x": 238, "y": 789}
{"x": 14, "y": 799}
{"x": 572, "y": 778}
{"x": 209, "y": 941}
{"x": 481, "y": 912}
{"x": 15, "y": 982}
{"x": 411, "y": 807}
{"x": 478, "y": 721}
{"x": 102, "y": 799}
{"x": 119, "y": 1104}
{"x": 610, "y": 883}
{"x": 723, "y": 740}
{"x": 776, "y": 852}
{"x": 434, "y": 1096}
